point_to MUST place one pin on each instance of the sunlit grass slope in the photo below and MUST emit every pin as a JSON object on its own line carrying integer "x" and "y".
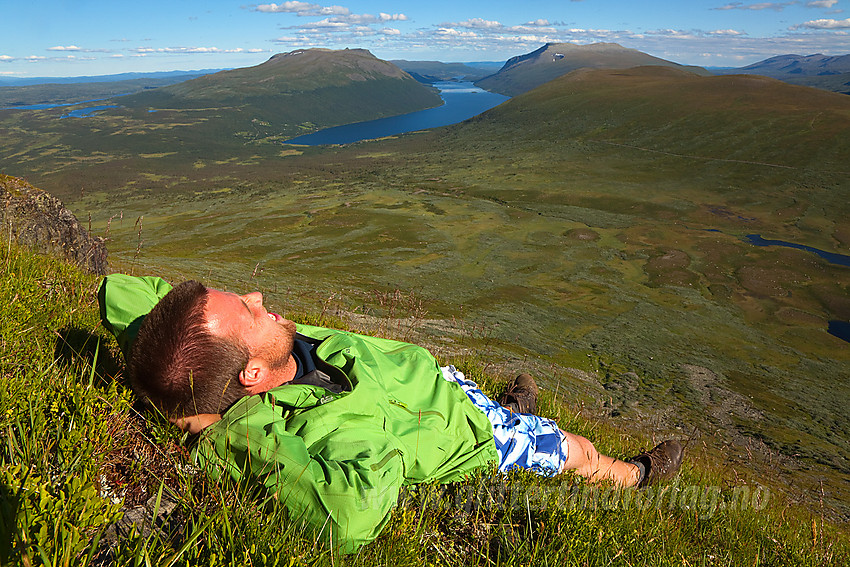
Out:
{"x": 82, "y": 475}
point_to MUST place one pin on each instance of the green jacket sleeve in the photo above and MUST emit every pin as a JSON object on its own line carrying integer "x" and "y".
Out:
{"x": 124, "y": 301}
{"x": 343, "y": 486}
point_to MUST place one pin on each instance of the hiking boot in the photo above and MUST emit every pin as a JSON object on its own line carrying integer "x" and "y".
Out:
{"x": 521, "y": 395}
{"x": 661, "y": 463}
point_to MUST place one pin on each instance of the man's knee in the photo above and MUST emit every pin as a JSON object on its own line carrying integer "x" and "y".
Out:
{"x": 581, "y": 454}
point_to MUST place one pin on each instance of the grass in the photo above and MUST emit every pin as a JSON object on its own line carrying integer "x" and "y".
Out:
{"x": 86, "y": 480}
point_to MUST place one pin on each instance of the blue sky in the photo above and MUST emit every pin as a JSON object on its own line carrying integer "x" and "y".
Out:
{"x": 97, "y": 37}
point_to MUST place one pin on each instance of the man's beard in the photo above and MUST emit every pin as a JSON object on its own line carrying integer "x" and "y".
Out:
{"x": 278, "y": 353}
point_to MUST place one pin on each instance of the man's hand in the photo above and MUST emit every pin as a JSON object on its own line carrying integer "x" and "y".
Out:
{"x": 196, "y": 423}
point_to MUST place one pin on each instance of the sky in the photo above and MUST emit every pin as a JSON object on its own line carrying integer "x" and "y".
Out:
{"x": 55, "y": 38}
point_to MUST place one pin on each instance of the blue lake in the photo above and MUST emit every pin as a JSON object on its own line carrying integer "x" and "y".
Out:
{"x": 840, "y": 329}
{"x": 831, "y": 257}
{"x": 461, "y": 100}
{"x": 47, "y": 105}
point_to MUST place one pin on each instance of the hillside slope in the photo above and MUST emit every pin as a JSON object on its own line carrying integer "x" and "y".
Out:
{"x": 526, "y": 72}
{"x": 662, "y": 109}
{"x": 80, "y": 466}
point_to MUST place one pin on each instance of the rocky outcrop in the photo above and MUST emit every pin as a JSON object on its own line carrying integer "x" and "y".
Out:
{"x": 39, "y": 220}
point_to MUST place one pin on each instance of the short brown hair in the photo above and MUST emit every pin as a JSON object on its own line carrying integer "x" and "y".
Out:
{"x": 178, "y": 365}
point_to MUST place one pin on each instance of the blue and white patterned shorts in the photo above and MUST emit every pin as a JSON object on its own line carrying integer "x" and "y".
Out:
{"x": 522, "y": 440}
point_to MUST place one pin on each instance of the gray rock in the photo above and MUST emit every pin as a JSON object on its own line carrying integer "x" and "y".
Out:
{"x": 39, "y": 220}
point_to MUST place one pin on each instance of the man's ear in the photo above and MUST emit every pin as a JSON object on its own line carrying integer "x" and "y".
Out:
{"x": 255, "y": 373}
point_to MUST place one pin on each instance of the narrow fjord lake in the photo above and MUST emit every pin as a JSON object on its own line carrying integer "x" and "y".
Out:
{"x": 462, "y": 100}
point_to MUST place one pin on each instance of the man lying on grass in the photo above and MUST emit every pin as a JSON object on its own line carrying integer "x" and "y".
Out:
{"x": 330, "y": 422}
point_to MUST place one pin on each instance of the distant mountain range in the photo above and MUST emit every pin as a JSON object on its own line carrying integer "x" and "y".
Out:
{"x": 432, "y": 71}
{"x": 178, "y": 75}
{"x": 526, "y": 72}
{"x": 827, "y": 72}
{"x": 76, "y": 92}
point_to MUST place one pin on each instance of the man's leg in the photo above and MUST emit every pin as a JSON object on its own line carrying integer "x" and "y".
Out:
{"x": 537, "y": 443}
{"x": 586, "y": 461}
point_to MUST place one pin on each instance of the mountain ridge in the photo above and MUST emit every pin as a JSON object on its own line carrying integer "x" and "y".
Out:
{"x": 523, "y": 73}
{"x": 294, "y": 72}
{"x": 827, "y": 72}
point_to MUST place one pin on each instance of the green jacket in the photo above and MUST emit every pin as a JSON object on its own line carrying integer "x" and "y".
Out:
{"x": 337, "y": 461}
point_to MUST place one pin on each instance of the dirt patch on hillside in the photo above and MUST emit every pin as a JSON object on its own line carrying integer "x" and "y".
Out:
{"x": 721, "y": 404}
{"x": 670, "y": 268}
{"x": 582, "y": 234}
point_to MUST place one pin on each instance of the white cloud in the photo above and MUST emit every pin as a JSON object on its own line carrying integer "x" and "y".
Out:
{"x": 821, "y": 3}
{"x": 391, "y": 17}
{"x": 303, "y": 9}
{"x": 343, "y": 21}
{"x": 455, "y": 33}
{"x": 291, "y": 7}
{"x": 478, "y": 23}
{"x": 6, "y": 58}
{"x": 679, "y": 34}
{"x": 824, "y": 24}
{"x": 726, "y": 33}
{"x": 147, "y": 50}
{"x": 532, "y": 29}
{"x": 778, "y": 6}
{"x": 390, "y": 31}
{"x": 329, "y": 23}
{"x": 77, "y": 49}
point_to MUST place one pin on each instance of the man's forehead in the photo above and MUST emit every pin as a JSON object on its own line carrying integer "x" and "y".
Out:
{"x": 223, "y": 310}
